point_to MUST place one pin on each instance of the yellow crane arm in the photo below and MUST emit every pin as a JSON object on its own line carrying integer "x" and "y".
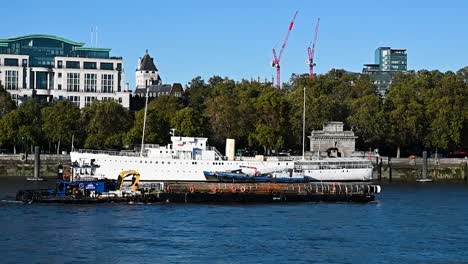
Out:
{"x": 125, "y": 174}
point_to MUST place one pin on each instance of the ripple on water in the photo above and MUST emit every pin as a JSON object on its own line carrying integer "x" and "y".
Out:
{"x": 408, "y": 224}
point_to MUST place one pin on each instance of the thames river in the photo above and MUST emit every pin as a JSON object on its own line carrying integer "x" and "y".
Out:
{"x": 411, "y": 223}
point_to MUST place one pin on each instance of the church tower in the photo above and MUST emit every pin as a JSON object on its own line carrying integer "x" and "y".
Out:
{"x": 146, "y": 74}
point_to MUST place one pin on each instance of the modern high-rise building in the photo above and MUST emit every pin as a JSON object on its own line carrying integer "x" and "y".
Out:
{"x": 387, "y": 63}
{"x": 53, "y": 68}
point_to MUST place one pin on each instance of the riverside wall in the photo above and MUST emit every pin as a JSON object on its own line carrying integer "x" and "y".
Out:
{"x": 405, "y": 169}
{"x": 23, "y": 165}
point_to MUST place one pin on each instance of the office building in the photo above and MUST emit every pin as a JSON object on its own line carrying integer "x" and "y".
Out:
{"x": 53, "y": 68}
{"x": 387, "y": 63}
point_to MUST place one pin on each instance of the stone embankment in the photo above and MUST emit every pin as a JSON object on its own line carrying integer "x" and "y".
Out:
{"x": 406, "y": 169}
{"x": 23, "y": 165}
{"x": 403, "y": 169}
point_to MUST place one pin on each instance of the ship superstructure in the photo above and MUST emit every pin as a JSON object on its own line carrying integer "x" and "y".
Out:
{"x": 186, "y": 159}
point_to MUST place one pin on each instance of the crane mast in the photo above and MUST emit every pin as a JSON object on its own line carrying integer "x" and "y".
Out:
{"x": 277, "y": 58}
{"x": 311, "y": 51}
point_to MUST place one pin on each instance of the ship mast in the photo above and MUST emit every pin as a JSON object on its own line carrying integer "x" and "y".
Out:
{"x": 144, "y": 121}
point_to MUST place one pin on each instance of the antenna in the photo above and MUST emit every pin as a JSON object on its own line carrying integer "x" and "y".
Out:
{"x": 92, "y": 36}
{"x": 96, "y": 36}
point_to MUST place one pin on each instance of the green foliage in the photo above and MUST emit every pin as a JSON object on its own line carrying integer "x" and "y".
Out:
{"x": 188, "y": 123}
{"x": 425, "y": 109}
{"x": 30, "y": 130}
{"x": 159, "y": 115}
{"x": 9, "y": 129}
{"x": 61, "y": 122}
{"x": 271, "y": 129}
{"x": 6, "y": 103}
{"x": 445, "y": 104}
{"x": 106, "y": 124}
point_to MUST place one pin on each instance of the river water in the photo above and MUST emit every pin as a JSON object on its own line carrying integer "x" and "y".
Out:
{"x": 417, "y": 223}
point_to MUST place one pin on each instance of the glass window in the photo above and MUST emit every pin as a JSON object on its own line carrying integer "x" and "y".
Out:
{"x": 59, "y": 64}
{"x": 90, "y": 82}
{"x": 89, "y": 65}
{"x": 11, "y": 80}
{"x": 75, "y": 100}
{"x": 73, "y": 82}
{"x": 90, "y": 99}
{"x": 11, "y": 62}
{"x": 73, "y": 64}
{"x": 107, "y": 66}
{"x": 107, "y": 83}
{"x": 25, "y": 63}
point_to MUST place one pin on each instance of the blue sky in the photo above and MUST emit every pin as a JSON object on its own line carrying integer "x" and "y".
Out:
{"x": 235, "y": 38}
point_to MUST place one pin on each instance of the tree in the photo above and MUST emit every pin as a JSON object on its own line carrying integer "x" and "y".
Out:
{"x": 445, "y": 104}
{"x": 61, "y": 122}
{"x": 404, "y": 112}
{"x": 224, "y": 117}
{"x": 367, "y": 118}
{"x": 9, "y": 129}
{"x": 156, "y": 130}
{"x": 106, "y": 124}
{"x": 6, "y": 103}
{"x": 197, "y": 93}
{"x": 30, "y": 130}
{"x": 366, "y": 115}
{"x": 159, "y": 115}
{"x": 189, "y": 123}
{"x": 271, "y": 130}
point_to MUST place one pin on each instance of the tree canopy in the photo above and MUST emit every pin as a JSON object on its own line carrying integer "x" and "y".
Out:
{"x": 421, "y": 110}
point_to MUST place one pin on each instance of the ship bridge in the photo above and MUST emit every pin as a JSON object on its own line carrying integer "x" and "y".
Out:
{"x": 186, "y": 148}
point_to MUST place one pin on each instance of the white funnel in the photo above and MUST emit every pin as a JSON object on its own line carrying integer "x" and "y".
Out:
{"x": 230, "y": 148}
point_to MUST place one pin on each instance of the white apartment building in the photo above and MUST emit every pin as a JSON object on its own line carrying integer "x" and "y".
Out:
{"x": 53, "y": 68}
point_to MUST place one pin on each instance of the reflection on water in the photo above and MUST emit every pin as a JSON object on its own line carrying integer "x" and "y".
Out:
{"x": 409, "y": 223}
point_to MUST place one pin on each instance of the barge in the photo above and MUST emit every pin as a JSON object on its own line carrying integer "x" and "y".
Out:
{"x": 113, "y": 191}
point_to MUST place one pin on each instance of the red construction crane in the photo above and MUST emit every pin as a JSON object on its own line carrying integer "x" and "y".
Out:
{"x": 277, "y": 59}
{"x": 311, "y": 51}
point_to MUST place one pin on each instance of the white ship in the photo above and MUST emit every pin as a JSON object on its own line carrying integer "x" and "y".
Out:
{"x": 187, "y": 158}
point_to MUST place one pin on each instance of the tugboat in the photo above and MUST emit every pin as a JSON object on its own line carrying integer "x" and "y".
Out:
{"x": 81, "y": 185}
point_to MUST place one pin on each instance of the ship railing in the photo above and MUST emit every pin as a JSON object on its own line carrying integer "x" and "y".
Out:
{"x": 220, "y": 156}
{"x": 109, "y": 152}
{"x": 262, "y": 158}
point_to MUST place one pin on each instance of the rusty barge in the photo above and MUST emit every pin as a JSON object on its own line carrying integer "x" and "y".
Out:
{"x": 195, "y": 192}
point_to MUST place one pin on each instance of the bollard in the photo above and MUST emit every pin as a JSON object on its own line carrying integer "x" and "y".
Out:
{"x": 389, "y": 169}
{"x": 37, "y": 166}
{"x": 466, "y": 171}
{"x": 424, "y": 169}
{"x": 37, "y": 162}
{"x": 379, "y": 167}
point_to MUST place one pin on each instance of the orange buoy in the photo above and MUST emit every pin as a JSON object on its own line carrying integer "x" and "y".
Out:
{"x": 213, "y": 188}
